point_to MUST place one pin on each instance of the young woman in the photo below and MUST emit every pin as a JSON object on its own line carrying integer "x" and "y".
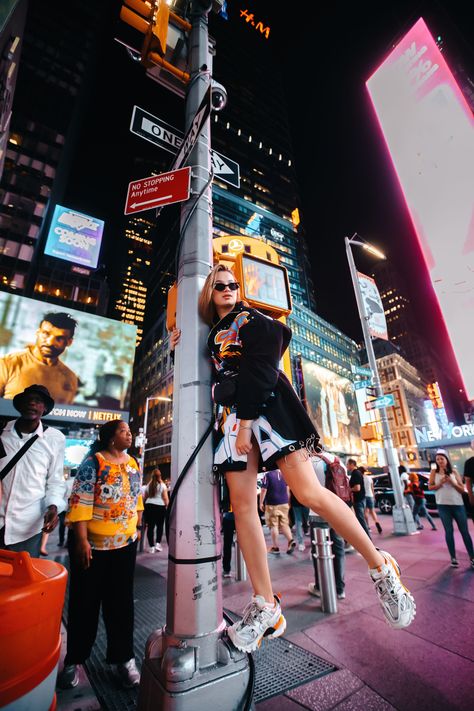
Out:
{"x": 370, "y": 499}
{"x": 105, "y": 509}
{"x": 261, "y": 418}
{"x": 448, "y": 487}
{"x": 156, "y": 501}
{"x": 419, "y": 508}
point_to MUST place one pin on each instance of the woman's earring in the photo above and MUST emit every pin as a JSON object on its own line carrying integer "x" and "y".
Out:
{"x": 112, "y": 443}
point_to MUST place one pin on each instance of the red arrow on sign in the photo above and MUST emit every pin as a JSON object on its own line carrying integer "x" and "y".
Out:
{"x": 157, "y": 190}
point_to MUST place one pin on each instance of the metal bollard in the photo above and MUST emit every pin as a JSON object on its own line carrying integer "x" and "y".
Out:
{"x": 240, "y": 567}
{"x": 321, "y": 548}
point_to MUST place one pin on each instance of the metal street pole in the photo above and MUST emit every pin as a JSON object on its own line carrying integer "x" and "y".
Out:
{"x": 145, "y": 427}
{"x": 188, "y": 664}
{"x": 403, "y": 522}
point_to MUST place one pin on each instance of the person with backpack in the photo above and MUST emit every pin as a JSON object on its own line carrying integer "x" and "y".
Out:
{"x": 358, "y": 493}
{"x": 104, "y": 517}
{"x": 331, "y": 474}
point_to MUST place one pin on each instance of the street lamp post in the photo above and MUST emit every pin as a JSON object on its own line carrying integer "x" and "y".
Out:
{"x": 403, "y": 522}
{"x": 142, "y": 435}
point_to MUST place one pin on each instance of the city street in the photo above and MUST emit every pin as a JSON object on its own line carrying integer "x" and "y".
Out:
{"x": 428, "y": 666}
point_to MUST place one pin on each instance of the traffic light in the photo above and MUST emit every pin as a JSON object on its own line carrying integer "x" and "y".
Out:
{"x": 151, "y": 19}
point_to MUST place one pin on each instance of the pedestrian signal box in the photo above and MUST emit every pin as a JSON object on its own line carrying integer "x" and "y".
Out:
{"x": 263, "y": 284}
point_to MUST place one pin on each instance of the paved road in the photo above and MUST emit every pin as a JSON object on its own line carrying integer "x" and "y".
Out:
{"x": 428, "y": 666}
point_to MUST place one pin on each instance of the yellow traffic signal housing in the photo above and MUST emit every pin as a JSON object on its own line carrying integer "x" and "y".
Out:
{"x": 151, "y": 19}
{"x": 369, "y": 432}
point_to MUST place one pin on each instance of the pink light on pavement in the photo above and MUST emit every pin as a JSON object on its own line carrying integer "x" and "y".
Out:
{"x": 429, "y": 131}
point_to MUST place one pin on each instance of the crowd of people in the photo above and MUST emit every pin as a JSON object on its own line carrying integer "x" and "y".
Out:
{"x": 260, "y": 425}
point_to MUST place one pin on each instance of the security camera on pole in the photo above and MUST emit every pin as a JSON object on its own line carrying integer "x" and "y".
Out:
{"x": 403, "y": 522}
{"x": 189, "y": 665}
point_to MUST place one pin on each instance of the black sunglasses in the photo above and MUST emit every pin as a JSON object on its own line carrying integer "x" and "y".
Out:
{"x": 220, "y": 286}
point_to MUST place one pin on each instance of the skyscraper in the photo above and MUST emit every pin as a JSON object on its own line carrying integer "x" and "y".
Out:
{"x": 253, "y": 130}
{"x": 50, "y": 95}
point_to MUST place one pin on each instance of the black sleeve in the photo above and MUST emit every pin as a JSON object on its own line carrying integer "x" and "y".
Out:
{"x": 261, "y": 340}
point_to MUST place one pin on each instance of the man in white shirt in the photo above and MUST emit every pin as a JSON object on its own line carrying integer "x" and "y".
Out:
{"x": 33, "y": 491}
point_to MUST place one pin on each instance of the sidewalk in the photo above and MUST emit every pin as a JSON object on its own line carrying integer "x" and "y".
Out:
{"x": 428, "y": 666}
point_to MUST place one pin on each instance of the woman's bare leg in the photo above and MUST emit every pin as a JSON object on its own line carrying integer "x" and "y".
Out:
{"x": 300, "y": 476}
{"x": 243, "y": 497}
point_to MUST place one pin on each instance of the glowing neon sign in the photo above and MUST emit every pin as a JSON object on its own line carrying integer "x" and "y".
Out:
{"x": 429, "y": 131}
{"x": 250, "y": 18}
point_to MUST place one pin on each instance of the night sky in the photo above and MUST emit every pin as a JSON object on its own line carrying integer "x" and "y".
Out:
{"x": 346, "y": 180}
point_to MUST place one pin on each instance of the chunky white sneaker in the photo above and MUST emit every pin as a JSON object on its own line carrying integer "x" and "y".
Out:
{"x": 301, "y": 547}
{"x": 151, "y": 549}
{"x": 129, "y": 674}
{"x": 158, "y": 547}
{"x": 260, "y": 620}
{"x": 397, "y": 602}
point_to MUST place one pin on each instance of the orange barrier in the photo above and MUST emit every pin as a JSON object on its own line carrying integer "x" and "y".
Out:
{"x": 31, "y": 602}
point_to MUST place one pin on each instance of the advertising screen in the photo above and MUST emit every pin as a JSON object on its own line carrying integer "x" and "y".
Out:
{"x": 332, "y": 407}
{"x": 74, "y": 237}
{"x": 429, "y": 131}
{"x": 85, "y": 361}
{"x": 265, "y": 282}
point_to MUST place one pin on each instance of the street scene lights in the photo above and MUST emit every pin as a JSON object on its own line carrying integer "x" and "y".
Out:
{"x": 403, "y": 522}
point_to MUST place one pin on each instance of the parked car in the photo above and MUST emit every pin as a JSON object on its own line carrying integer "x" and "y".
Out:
{"x": 385, "y": 498}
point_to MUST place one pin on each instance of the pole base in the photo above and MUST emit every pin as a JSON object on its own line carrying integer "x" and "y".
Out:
{"x": 171, "y": 681}
{"x": 403, "y": 522}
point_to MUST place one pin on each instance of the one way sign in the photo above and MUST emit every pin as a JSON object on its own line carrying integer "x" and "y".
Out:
{"x": 164, "y": 136}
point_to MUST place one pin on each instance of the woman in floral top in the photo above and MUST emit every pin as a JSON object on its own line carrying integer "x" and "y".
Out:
{"x": 105, "y": 509}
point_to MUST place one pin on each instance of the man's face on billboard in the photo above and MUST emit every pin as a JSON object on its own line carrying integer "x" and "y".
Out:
{"x": 52, "y": 341}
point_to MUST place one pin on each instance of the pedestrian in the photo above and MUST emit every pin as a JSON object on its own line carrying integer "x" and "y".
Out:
{"x": 259, "y": 416}
{"x": 228, "y": 530}
{"x": 420, "y": 503}
{"x": 405, "y": 480}
{"x": 300, "y": 512}
{"x": 31, "y": 472}
{"x": 469, "y": 482}
{"x": 358, "y": 493}
{"x": 370, "y": 499}
{"x": 62, "y": 516}
{"x": 104, "y": 511}
{"x": 156, "y": 501}
{"x": 321, "y": 467}
{"x": 448, "y": 487}
{"x": 274, "y": 501}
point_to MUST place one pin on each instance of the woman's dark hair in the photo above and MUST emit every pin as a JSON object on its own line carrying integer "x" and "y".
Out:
{"x": 106, "y": 434}
{"x": 154, "y": 482}
{"x": 449, "y": 469}
{"x": 401, "y": 469}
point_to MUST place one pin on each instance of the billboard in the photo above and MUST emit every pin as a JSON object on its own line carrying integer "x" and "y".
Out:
{"x": 85, "y": 361}
{"x": 332, "y": 406}
{"x": 373, "y": 307}
{"x": 429, "y": 131}
{"x": 74, "y": 237}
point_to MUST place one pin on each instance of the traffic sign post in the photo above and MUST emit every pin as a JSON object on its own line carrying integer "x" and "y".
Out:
{"x": 162, "y": 134}
{"x": 188, "y": 663}
{"x": 380, "y": 402}
{"x": 358, "y": 370}
{"x": 157, "y": 190}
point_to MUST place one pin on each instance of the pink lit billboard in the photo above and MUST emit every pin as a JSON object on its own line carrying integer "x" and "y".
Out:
{"x": 429, "y": 131}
